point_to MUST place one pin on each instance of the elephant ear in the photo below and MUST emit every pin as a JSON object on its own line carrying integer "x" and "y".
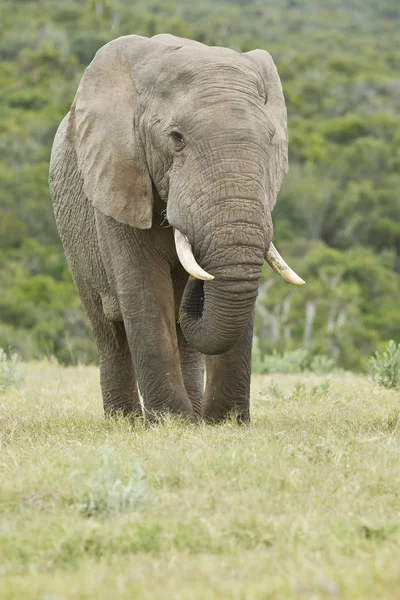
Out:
{"x": 278, "y": 164}
{"x": 102, "y": 129}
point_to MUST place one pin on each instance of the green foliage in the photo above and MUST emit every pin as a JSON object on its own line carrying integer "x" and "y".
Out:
{"x": 106, "y": 495}
{"x": 338, "y": 215}
{"x": 323, "y": 388}
{"x": 287, "y": 362}
{"x": 290, "y": 361}
{"x": 384, "y": 367}
{"x": 322, "y": 364}
{"x": 11, "y": 372}
{"x": 343, "y": 130}
{"x": 349, "y": 303}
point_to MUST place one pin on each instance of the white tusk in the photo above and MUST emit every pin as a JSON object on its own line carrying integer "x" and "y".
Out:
{"x": 277, "y": 264}
{"x": 188, "y": 261}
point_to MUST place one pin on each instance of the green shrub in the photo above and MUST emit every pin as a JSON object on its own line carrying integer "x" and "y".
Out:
{"x": 11, "y": 372}
{"x": 291, "y": 361}
{"x": 384, "y": 367}
{"x": 106, "y": 494}
{"x": 344, "y": 130}
{"x": 321, "y": 364}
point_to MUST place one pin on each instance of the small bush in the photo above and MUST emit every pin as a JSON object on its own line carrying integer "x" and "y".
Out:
{"x": 290, "y": 361}
{"x": 11, "y": 372}
{"x": 299, "y": 391}
{"x": 106, "y": 494}
{"x": 384, "y": 367}
{"x": 323, "y": 388}
{"x": 275, "y": 391}
{"x": 321, "y": 364}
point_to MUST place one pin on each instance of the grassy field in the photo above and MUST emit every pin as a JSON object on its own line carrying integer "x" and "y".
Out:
{"x": 303, "y": 503}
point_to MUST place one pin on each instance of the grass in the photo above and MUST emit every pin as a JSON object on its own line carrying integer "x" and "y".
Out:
{"x": 303, "y": 503}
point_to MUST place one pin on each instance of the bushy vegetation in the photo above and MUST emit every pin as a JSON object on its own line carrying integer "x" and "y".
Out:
{"x": 384, "y": 367}
{"x": 290, "y": 361}
{"x": 338, "y": 216}
{"x": 302, "y": 503}
{"x": 106, "y": 494}
{"x": 11, "y": 371}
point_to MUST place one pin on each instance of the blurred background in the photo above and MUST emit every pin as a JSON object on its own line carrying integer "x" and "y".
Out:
{"x": 337, "y": 219}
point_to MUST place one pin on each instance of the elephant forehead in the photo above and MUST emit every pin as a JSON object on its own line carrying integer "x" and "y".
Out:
{"x": 193, "y": 66}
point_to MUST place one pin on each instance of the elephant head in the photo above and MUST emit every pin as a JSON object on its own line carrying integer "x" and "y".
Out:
{"x": 204, "y": 130}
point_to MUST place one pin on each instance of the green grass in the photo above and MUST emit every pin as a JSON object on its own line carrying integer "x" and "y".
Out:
{"x": 303, "y": 503}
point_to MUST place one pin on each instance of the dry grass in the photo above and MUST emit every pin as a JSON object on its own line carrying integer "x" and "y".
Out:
{"x": 303, "y": 503}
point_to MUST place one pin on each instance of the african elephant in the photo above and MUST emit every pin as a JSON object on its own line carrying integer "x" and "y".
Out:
{"x": 168, "y": 164}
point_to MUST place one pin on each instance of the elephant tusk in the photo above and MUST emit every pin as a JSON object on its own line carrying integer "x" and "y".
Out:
{"x": 277, "y": 264}
{"x": 188, "y": 261}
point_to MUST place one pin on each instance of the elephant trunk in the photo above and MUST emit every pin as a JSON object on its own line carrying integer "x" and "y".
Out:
{"x": 215, "y": 309}
{"x": 228, "y": 225}
{"x": 217, "y": 304}
{"x": 213, "y": 315}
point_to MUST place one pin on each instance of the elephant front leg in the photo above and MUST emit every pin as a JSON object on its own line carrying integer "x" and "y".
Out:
{"x": 228, "y": 381}
{"x": 155, "y": 354}
{"x": 192, "y": 365}
{"x": 118, "y": 382}
{"x": 138, "y": 270}
{"x": 117, "y": 376}
{"x": 150, "y": 325}
{"x": 192, "y": 361}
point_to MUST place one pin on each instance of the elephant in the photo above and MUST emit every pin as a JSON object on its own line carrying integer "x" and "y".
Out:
{"x": 163, "y": 177}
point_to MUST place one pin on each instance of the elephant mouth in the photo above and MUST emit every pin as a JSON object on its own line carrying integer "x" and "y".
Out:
{"x": 215, "y": 310}
{"x": 187, "y": 259}
{"x": 189, "y": 263}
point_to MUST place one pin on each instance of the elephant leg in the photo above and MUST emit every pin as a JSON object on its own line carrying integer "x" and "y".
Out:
{"x": 117, "y": 376}
{"x": 192, "y": 365}
{"x": 192, "y": 361}
{"x": 139, "y": 272}
{"x": 154, "y": 348}
{"x": 228, "y": 381}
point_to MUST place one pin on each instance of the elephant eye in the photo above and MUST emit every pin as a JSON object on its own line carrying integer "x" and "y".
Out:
{"x": 178, "y": 139}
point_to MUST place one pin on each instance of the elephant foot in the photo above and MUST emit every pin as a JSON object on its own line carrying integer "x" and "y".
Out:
{"x": 176, "y": 405}
{"x": 124, "y": 407}
{"x": 224, "y": 411}
{"x": 153, "y": 417}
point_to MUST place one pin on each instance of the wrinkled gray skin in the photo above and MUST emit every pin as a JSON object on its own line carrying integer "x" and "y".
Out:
{"x": 164, "y": 133}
